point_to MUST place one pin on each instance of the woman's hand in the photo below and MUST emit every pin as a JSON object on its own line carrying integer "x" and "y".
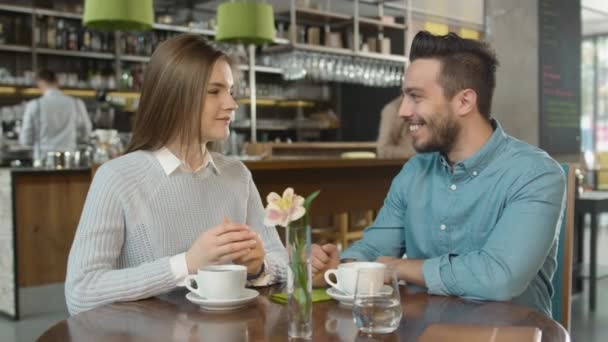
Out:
{"x": 254, "y": 259}
{"x": 222, "y": 244}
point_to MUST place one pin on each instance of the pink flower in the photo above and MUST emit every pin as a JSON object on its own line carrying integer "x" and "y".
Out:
{"x": 281, "y": 211}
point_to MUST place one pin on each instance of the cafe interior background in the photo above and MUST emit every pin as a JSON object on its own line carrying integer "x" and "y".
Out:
{"x": 314, "y": 93}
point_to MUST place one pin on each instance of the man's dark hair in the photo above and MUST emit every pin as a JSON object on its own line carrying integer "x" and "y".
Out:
{"x": 47, "y": 76}
{"x": 465, "y": 63}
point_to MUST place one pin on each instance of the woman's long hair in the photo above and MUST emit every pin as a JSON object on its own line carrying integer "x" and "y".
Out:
{"x": 172, "y": 97}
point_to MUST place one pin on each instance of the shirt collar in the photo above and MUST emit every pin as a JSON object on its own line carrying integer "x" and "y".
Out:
{"x": 51, "y": 92}
{"x": 476, "y": 163}
{"x": 170, "y": 163}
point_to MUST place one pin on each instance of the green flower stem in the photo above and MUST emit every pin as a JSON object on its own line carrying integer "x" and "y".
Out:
{"x": 300, "y": 274}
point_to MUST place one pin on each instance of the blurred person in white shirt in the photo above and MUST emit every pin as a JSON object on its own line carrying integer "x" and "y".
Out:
{"x": 54, "y": 121}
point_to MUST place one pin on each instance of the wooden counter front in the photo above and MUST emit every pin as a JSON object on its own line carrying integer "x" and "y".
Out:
{"x": 48, "y": 204}
{"x": 47, "y": 209}
{"x": 345, "y": 184}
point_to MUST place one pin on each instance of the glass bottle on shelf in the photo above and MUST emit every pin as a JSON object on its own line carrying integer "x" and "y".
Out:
{"x": 60, "y": 40}
{"x": 40, "y": 32}
{"x": 86, "y": 41}
{"x": 72, "y": 39}
{"x": 99, "y": 41}
{"x": 2, "y": 33}
{"x": 23, "y": 35}
{"x": 51, "y": 33}
{"x": 96, "y": 42}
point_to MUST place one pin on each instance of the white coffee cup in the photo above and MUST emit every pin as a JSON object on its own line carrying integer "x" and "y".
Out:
{"x": 346, "y": 275}
{"x": 218, "y": 281}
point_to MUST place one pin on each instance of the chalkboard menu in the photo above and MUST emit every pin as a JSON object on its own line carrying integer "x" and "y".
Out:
{"x": 560, "y": 75}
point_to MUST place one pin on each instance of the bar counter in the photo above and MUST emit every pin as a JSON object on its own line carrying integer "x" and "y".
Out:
{"x": 41, "y": 208}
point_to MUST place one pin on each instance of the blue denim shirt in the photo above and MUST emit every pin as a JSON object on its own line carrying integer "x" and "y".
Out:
{"x": 487, "y": 228}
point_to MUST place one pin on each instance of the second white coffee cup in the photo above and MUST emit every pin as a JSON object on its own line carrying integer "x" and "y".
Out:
{"x": 218, "y": 281}
{"x": 346, "y": 275}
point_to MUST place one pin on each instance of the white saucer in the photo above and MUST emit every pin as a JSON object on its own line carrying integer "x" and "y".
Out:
{"x": 343, "y": 298}
{"x": 247, "y": 296}
{"x": 348, "y": 300}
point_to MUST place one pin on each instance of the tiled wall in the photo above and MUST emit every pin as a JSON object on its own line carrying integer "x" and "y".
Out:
{"x": 7, "y": 276}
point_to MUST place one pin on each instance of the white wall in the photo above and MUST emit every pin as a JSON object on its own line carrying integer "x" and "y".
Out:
{"x": 512, "y": 28}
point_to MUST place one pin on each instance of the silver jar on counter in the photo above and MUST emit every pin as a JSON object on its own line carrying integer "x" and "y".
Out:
{"x": 58, "y": 160}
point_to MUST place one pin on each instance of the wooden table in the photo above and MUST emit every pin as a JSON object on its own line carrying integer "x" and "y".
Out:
{"x": 173, "y": 318}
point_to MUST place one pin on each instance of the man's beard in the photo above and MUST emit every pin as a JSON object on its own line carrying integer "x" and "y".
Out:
{"x": 443, "y": 135}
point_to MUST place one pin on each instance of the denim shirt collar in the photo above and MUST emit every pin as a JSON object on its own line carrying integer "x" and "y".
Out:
{"x": 475, "y": 164}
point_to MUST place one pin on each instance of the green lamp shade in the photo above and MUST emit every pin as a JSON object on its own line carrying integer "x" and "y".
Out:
{"x": 245, "y": 22}
{"x": 124, "y": 15}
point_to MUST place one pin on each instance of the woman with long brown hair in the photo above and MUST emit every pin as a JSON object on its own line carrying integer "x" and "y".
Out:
{"x": 170, "y": 205}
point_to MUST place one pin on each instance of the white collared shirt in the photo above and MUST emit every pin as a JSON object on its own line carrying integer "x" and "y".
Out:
{"x": 56, "y": 122}
{"x": 171, "y": 163}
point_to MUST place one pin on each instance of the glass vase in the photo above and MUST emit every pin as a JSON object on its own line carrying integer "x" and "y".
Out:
{"x": 299, "y": 282}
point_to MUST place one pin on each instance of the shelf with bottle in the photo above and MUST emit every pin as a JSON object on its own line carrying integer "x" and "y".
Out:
{"x": 68, "y": 53}
{"x": 15, "y": 48}
{"x": 338, "y": 51}
{"x": 312, "y": 15}
{"x": 382, "y": 23}
{"x": 29, "y": 91}
{"x": 282, "y": 125}
{"x": 58, "y": 36}
{"x": 242, "y": 67}
{"x": 131, "y": 77}
{"x": 270, "y": 102}
{"x": 15, "y": 31}
{"x": 261, "y": 68}
{"x": 328, "y": 17}
{"x": 92, "y": 76}
{"x": 16, "y": 9}
{"x": 40, "y": 11}
{"x": 183, "y": 29}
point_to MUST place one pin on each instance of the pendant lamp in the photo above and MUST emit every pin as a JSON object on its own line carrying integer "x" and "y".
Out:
{"x": 122, "y": 15}
{"x": 245, "y": 22}
{"x": 250, "y": 23}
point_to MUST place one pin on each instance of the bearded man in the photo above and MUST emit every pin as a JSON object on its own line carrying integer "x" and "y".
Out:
{"x": 476, "y": 211}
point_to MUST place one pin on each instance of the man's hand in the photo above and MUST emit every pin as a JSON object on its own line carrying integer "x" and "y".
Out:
{"x": 407, "y": 269}
{"x": 323, "y": 258}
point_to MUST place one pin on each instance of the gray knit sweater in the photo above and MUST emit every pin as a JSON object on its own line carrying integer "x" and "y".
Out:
{"x": 136, "y": 217}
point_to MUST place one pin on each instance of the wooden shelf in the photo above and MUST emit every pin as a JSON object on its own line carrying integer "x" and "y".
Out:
{"x": 278, "y": 126}
{"x": 324, "y": 49}
{"x": 243, "y": 67}
{"x": 313, "y": 14}
{"x": 8, "y": 90}
{"x": 382, "y": 56}
{"x": 338, "y": 51}
{"x": 58, "y": 14}
{"x": 261, "y": 68}
{"x": 15, "y": 48}
{"x": 380, "y": 24}
{"x": 269, "y": 102}
{"x": 29, "y": 90}
{"x": 185, "y": 29}
{"x": 281, "y": 41}
{"x": 72, "y": 53}
{"x": 15, "y": 9}
{"x": 133, "y": 58}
